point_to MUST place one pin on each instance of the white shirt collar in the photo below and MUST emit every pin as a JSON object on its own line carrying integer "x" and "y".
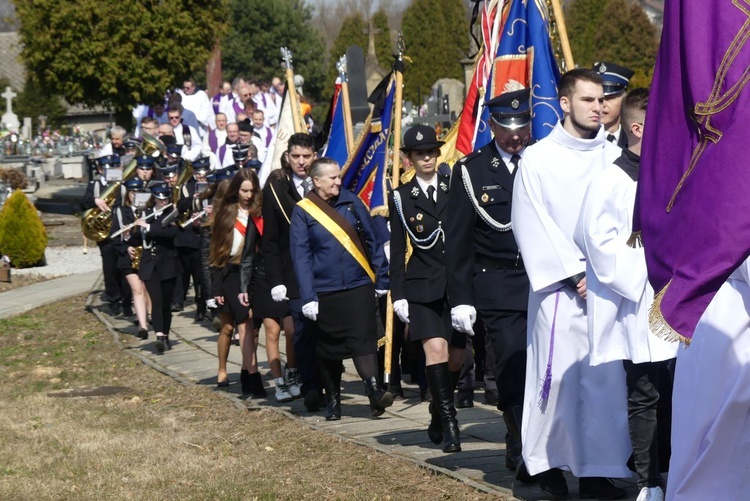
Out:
{"x": 424, "y": 184}
{"x": 507, "y": 156}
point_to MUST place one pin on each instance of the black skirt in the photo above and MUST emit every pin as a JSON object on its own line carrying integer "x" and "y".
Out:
{"x": 428, "y": 320}
{"x": 230, "y": 289}
{"x": 346, "y": 325}
{"x": 263, "y": 304}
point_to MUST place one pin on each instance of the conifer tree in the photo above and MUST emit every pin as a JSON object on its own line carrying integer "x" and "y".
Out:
{"x": 436, "y": 37}
{"x": 22, "y": 235}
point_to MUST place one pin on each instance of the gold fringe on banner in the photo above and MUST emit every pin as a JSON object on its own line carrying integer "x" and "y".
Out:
{"x": 659, "y": 325}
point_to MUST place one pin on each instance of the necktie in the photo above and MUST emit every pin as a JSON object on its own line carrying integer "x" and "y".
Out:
{"x": 431, "y": 194}
{"x": 611, "y": 138}
{"x": 514, "y": 161}
{"x": 306, "y": 186}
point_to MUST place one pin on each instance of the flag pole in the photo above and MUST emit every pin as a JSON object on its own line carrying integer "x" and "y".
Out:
{"x": 348, "y": 129}
{"x": 562, "y": 31}
{"x": 396, "y": 167}
{"x": 299, "y": 123}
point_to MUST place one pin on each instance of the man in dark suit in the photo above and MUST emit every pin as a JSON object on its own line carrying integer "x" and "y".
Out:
{"x": 616, "y": 80}
{"x": 485, "y": 270}
{"x": 279, "y": 198}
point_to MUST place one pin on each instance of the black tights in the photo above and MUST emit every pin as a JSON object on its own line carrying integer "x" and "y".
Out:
{"x": 330, "y": 370}
{"x": 160, "y": 292}
{"x": 366, "y": 365}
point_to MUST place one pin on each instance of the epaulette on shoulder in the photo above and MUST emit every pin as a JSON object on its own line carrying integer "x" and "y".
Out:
{"x": 471, "y": 156}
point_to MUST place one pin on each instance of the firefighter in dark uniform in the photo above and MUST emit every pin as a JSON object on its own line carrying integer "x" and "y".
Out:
{"x": 486, "y": 276}
{"x": 418, "y": 214}
{"x": 116, "y": 291}
{"x": 616, "y": 79}
{"x": 187, "y": 240}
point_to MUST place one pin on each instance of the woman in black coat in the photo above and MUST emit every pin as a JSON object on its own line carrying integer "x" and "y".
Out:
{"x": 418, "y": 215}
{"x": 160, "y": 264}
{"x": 231, "y": 255}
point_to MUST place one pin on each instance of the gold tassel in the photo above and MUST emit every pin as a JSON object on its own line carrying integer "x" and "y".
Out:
{"x": 658, "y": 323}
{"x": 636, "y": 240}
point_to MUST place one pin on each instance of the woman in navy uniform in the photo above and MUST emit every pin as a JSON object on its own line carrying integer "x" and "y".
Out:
{"x": 126, "y": 245}
{"x": 418, "y": 215}
{"x": 160, "y": 264}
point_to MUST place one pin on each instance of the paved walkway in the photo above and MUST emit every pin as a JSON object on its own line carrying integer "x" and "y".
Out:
{"x": 401, "y": 431}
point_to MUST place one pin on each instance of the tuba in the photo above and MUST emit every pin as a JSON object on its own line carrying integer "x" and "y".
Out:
{"x": 184, "y": 177}
{"x": 95, "y": 223}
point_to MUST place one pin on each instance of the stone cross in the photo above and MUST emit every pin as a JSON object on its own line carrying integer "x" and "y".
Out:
{"x": 8, "y": 95}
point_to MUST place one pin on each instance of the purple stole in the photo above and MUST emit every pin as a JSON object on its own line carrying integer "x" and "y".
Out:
{"x": 213, "y": 143}
{"x": 221, "y": 153}
{"x": 237, "y": 108}
{"x": 269, "y": 136}
{"x": 216, "y": 101}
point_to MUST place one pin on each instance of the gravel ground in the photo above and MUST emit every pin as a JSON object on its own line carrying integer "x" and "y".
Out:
{"x": 63, "y": 261}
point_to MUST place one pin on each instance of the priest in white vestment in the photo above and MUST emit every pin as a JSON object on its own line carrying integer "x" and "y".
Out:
{"x": 575, "y": 415}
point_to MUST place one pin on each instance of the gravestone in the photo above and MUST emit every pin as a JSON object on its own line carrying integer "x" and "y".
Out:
{"x": 449, "y": 93}
{"x": 10, "y": 119}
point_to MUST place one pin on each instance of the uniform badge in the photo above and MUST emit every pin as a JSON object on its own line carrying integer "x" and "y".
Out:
{"x": 602, "y": 68}
{"x": 443, "y": 187}
{"x": 420, "y": 228}
{"x": 419, "y": 216}
{"x": 419, "y": 136}
{"x": 411, "y": 219}
{"x": 415, "y": 191}
{"x": 485, "y": 198}
{"x": 515, "y": 104}
{"x": 495, "y": 162}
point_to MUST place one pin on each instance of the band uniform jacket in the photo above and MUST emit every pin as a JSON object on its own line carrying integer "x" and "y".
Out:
{"x": 246, "y": 263}
{"x": 483, "y": 264}
{"x": 94, "y": 189}
{"x": 159, "y": 259}
{"x": 123, "y": 216}
{"x": 422, "y": 279}
{"x": 188, "y": 237}
{"x": 279, "y": 198}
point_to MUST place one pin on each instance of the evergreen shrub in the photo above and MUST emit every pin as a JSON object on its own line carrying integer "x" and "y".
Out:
{"x": 22, "y": 235}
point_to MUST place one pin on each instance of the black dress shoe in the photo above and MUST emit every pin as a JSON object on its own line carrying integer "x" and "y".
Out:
{"x": 114, "y": 309}
{"x": 177, "y": 307}
{"x": 142, "y": 333}
{"x": 464, "y": 402}
{"x": 397, "y": 391}
{"x": 553, "y": 484}
{"x": 523, "y": 475}
{"x": 491, "y": 397}
{"x": 127, "y": 311}
{"x": 598, "y": 488}
{"x": 312, "y": 400}
{"x": 222, "y": 384}
{"x": 161, "y": 343}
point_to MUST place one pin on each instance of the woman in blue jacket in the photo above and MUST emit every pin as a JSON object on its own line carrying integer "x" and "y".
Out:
{"x": 340, "y": 267}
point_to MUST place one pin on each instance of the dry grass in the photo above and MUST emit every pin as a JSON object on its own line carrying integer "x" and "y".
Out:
{"x": 161, "y": 440}
{"x": 20, "y": 281}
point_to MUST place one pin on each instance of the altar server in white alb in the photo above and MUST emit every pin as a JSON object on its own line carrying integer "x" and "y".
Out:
{"x": 619, "y": 296}
{"x": 575, "y": 415}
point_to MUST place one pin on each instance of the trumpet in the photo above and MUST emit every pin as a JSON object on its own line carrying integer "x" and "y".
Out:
{"x": 193, "y": 219}
{"x": 131, "y": 225}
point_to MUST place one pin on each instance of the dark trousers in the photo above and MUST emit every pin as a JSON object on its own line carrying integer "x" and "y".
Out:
{"x": 507, "y": 330}
{"x": 305, "y": 348}
{"x": 398, "y": 340}
{"x": 476, "y": 364}
{"x": 191, "y": 267}
{"x": 643, "y": 383}
{"x": 115, "y": 285}
{"x": 161, "y": 292}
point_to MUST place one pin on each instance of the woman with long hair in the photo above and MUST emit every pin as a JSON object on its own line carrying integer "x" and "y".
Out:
{"x": 231, "y": 253}
{"x": 128, "y": 245}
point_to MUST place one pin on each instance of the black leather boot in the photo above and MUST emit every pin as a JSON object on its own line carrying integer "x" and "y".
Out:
{"x": 435, "y": 429}
{"x": 257, "y": 390}
{"x": 330, "y": 374}
{"x": 441, "y": 384}
{"x": 379, "y": 398}
{"x": 247, "y": 386}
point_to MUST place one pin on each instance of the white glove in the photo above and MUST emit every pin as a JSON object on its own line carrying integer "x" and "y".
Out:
{"x": 401, "y": 308}
{"x": 278, "y": 293}
{"x": 211, "y": 303}
{"x": 381, "y": 292}
{"x": 310, "y": 310}
{"x": 463, "y": 317}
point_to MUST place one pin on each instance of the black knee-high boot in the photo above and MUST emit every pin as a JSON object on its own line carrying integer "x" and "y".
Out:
{"x": 330, "y": 375}
{"x": 442, "y": 383}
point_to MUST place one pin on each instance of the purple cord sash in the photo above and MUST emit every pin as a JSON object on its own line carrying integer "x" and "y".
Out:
{"x": 547, "y": 383}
